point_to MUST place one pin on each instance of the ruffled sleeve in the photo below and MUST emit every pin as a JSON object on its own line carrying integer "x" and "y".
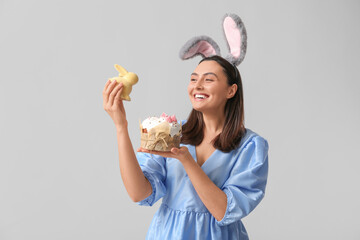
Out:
{"x": 153, "y": 167}
{"x": 245, "y": 186}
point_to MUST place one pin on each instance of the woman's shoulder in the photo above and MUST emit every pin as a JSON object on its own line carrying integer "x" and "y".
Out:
{"x": 252, "y": 136}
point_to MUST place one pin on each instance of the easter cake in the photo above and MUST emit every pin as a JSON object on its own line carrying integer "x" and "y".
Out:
{"x": 160, "y": 133}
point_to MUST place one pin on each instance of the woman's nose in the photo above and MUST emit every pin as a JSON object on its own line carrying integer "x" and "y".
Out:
{"x": 199, "y": 85}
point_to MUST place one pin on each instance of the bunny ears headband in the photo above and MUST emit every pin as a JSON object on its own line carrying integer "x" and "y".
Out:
{"x": 235, "y": 34}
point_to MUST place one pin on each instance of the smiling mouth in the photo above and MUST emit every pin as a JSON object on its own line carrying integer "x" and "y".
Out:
{"x": 200, "y": 96}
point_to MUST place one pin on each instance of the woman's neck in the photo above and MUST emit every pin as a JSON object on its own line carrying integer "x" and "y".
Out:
{"x": 213, "y": 124}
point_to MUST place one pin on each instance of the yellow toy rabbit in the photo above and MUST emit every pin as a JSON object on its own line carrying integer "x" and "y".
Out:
{"x": 127, "y": 78}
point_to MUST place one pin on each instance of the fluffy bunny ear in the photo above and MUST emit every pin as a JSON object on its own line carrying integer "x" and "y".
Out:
{"x": 235, "y": 34}
{"x": 202, "y": 45}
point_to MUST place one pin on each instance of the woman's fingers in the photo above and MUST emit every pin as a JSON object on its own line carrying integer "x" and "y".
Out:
{"x": 118, "y": 99}
{"x": 113, "y": 103}
{"x": 106, "y": 86}
{"x": 175, "y": 150}
{"x": 115, "y": 91}
{"x": 112, "y": 96}
{"x": 105, "y": 94}
{"x": 109, "y": 86}
{"x": 182, "y": 154}
{"x": 163, "y": 154}
{"x": 140, "y": 149}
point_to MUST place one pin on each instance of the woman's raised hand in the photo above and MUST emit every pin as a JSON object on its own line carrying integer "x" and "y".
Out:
{"x": 113, "y": 104}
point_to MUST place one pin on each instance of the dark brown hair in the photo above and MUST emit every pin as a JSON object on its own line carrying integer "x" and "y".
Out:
{"x": 234, "y": 128}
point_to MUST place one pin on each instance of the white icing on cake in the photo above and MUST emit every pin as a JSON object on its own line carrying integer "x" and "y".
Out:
{"x": 151, "y": 122}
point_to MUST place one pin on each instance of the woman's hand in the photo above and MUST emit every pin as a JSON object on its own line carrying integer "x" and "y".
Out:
{"x": 182, "y": 154}
{"x": 113, "y": 103}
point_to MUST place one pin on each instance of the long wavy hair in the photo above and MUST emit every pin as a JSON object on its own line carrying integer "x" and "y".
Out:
{"x": 234, "y": 128}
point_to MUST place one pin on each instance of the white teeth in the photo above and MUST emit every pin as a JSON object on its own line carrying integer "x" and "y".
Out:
{"x": 200, "y": 96}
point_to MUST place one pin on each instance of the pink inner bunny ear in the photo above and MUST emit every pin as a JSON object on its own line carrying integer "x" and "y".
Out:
{"x": 236, "y": 37}
{"x": 233, "y": 36}
{"x": 202, "y": 47}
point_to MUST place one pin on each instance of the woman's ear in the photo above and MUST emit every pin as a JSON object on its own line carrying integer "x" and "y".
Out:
{"x": 232, "y": 91}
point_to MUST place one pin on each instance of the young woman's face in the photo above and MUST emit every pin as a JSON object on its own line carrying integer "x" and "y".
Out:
{"x": 208, "y": 89}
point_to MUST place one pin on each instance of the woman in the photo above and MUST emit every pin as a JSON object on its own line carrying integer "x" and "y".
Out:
{"x": 217, "y": 177}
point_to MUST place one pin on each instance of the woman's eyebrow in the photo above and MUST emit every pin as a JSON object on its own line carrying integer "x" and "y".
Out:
{"x": 208, "y": 73}
{"x": 211, "y": 73}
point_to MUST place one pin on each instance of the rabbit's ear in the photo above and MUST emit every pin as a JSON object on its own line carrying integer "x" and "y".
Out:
{"x": 120, "y": 69}
{"x": 235, "y": 34}
{"x": 202, "y": 45}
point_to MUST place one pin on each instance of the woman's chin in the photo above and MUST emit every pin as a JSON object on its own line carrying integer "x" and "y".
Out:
{"x": 203, "y": 110}
{"x": 197, "y": 108}
{"x": 208, "y": 110}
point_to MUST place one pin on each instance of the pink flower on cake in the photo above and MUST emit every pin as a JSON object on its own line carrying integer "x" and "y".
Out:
{"x": 169, "y": 119}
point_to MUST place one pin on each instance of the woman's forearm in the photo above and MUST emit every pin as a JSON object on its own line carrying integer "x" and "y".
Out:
{"x": 136, "y": 184}
{"x": 213, "y": 197}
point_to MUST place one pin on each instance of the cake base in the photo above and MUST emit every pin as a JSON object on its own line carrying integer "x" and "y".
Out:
{"x": 159, "y": 141}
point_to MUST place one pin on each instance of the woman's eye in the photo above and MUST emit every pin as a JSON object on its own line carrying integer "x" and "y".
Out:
{"x": 193, "y": 80}
{"x": 209, "y": 80}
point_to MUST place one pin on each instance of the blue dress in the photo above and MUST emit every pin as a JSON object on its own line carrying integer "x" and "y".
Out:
{"x": 241, "y": 174}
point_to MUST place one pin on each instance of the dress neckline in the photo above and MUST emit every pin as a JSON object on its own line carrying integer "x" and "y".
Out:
{"x": 193, "y": 153}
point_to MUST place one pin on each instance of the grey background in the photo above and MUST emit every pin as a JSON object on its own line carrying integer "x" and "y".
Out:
{"x": 59, "y": 172}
